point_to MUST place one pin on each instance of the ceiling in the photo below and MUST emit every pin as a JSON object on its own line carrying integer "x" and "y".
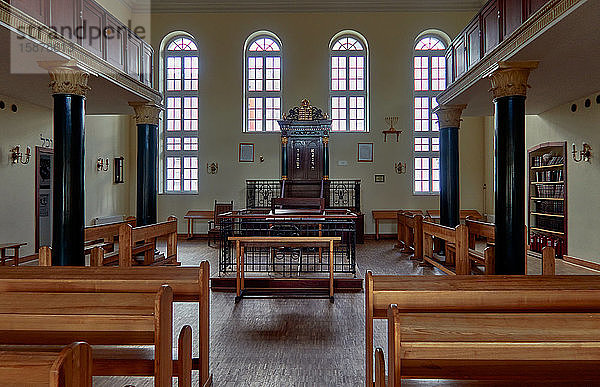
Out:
{"x": 569, "y": 56}
{"x": 168, "y": 6}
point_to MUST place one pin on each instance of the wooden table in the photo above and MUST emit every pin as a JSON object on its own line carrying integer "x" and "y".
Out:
{"x": 274, "y": 242}
{"x": 193, "y": 215}
{"x": 383, "y": 214}
{"x": 15, "y": 257}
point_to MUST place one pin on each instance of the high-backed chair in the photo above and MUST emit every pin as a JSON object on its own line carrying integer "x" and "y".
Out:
{"x": 214, "y": 226}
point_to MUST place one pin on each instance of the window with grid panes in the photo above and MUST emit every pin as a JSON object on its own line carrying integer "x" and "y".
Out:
{"x": 429, "y": 64}
{"x": 263, "y": 67}
{"x": 348, "y": 84}
{"x": 181, "y": 116}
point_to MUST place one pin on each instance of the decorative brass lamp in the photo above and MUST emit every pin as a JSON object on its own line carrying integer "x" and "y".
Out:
{"x": 391, "y": 121}
{"x": 584, "y": 154}
{"x": 400, "y": 168}
{"x": 17, "y": 156}
{"x": 102, "y": 164}
{"x": 212, "y": 168}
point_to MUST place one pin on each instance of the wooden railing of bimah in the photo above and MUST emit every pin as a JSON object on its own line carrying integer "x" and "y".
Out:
{"x": 457, "y": 263}
{"x": 430, "y": 294}
{"x": 25, "y": 366}
{"x": 116, "y": 319}
{"x": 410, "y": 233}
{"x": 480, "y": 345}
{"x": 189, "y": 284}
{"x": 135, "y": 241}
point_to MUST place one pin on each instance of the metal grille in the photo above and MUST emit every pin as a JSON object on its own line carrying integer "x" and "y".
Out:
{"x": 260, "y": 192}
{"x": 289, "y": 261}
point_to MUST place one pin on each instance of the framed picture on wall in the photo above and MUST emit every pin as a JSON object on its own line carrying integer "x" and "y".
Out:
{"x": 246, "y": 152}
{"x": 365, "y": 152}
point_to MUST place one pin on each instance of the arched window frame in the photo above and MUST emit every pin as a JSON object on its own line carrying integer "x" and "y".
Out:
{"x": 262, "y": 108}
{"x": 179, "y": 149}
{"x": 347, "y": 114}
{"x": 429, "y": 79}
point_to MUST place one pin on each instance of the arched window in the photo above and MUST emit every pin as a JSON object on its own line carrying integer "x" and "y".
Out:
{"x": 263, "y": 74}
{"x": 429, "y": 80}
{"x": 348, "y": 83}
{"x": 181, "y": 116}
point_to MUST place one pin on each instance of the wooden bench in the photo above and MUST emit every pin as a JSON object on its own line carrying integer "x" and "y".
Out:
{"x": 518, "y": 344}
{"x": 135, "y": 241}
{"x": 15, "y": 259}
{"x": 104, "y": 236}
{"x": 116, "y": 319}
{"x": 379, "y": 215}
{"x": 486, "y": 258}
{"x": 241, "y": 243}
{"x": 189, "y": 284}
{"x": 69, "y": 367}
{"x": 463, "y": 215}
{"x": 410, "y": 233}
{"x": 430, "y": 294}
{"x": 457, "y": 263}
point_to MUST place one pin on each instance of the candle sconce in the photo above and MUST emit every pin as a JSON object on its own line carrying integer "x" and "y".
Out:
{"x": 400, "y": 168}
{"x": 16, "y": 155}
{"x": 584, "y": 154}
{"x": 119, "y": 167}
{"x": 212, "y": 168}
{"x": 102, "y": 164}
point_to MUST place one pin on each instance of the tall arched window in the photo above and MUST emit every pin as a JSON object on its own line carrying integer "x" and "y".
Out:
{"x": 263, "y": 74}
{"x": 348, "y": 83}
{"x": 429, "y": 80}
{"x": 181, "y": 120}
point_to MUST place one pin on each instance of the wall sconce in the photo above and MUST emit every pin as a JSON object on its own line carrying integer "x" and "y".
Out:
{"x": 212, "y": 168}
{"x": 400, "y": 168}
{"x": 119, "y": 162}
{"x": 584, "y": 154}
{"x": 102, "y": 164}
{"x": 17, "y": 157}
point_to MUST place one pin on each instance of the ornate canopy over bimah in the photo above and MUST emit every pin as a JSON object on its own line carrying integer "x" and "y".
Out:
{"x": 305, "y": 144}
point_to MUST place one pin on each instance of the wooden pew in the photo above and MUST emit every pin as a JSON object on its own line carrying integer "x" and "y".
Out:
{"x": 428, "y": 294}
{"x": 482, "y": 345}
{"x": 454, "y": 264}
{"x": 104, "y": 236}
{"x": 411, "y": 235}
{"x": 189, "y": 284}
{"x": 119, "y": 319}
{"x": 69, "y": 367}
{"x": 142, "y": 240}
{"x": 434, "y": 215}
{"x": 486, "y": 258}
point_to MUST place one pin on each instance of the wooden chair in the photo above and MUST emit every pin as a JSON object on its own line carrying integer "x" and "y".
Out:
{"x": 518, "y": 344}
{"x": 214, "y": 226}
{"x": 69, "y": 367}
{"x": 189, "y": 284}
{"x": 432, "y": 294}
{"x": 116, "y": 319}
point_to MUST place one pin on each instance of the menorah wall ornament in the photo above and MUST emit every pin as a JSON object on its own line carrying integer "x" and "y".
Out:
{"x": 391, "y": 121}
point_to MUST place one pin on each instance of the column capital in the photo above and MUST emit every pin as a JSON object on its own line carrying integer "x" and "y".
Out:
{"x": 449, "y": 115}
{"x": 510, "y": 78}
{"x": 146, "y": 113}
{"x": 284, "y": 140}
{"x": 66, "y": 77}
{"x": 325, "y": 140}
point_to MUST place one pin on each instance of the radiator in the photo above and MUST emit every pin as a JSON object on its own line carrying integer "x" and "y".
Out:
{"x": 108, "y": 219}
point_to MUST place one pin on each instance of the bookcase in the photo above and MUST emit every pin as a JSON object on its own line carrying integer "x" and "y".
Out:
{"x": 547, "y": 209}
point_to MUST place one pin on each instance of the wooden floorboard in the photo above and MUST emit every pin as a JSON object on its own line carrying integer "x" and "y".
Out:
{"x": 297, "y": 342}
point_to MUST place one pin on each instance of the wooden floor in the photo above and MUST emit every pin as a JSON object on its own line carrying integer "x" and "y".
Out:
{"x": 296, "y": 342}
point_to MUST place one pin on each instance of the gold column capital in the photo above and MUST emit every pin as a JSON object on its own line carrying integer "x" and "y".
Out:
{"x": 284, "y": 140}
{"x": 66, "y": 77}
{"x": 510, "y": 78}
{"x": 325, "y": 140}
{"x": 146, "y": 113}
{"x": 449, "y": 115}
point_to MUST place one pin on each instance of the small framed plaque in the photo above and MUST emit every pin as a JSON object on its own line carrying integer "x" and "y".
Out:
{"x": 246, "y": 152}
{"x": 365, "y": 152}
{"x": 379, "y": 178}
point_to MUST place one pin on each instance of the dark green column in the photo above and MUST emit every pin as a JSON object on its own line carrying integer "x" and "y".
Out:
{"x": 449, "y": 121}
{"x": 69, "y": 86}
{"x": 509, "y": 85}
{"x": 147, "y": 116}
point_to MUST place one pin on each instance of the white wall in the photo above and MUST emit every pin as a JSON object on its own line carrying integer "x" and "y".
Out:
{"x": 305, "y": 38}
{"x": 106, "y": 136}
